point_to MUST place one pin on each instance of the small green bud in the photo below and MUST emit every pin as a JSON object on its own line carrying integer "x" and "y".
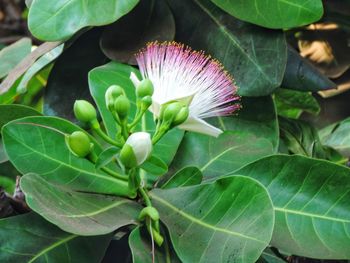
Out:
{"x": 181, "y": 117}
{"x": 122, "y": 106}
{"x": 144, "y": 88}
{"x": 146, "y": 102}
{"x": 112, "y": 93}
{"x": 136, "y": 150}
{"x": 79, "y": 144}
{"x": 170, "y": 111}
{"x": 84, "y": 111}
{"x": 127, "y": 156}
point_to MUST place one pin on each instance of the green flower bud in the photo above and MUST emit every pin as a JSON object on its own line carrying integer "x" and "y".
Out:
{"x": 181, "y": 117}
{"x": 146, "y": 102}
{"x": 136, "y": 150}
{"x": 112, "y": 93}
{"x": 122, "y": 106}
{"x": 84, "y": 111}
{"x": 145, "y": 88}
{"x": 79, "y": 143}
{"x": 127, "y": 156}
{"x": 170, "y": 111}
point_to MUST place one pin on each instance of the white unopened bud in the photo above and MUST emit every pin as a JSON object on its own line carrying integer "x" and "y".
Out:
{"x": 137, "y": 149}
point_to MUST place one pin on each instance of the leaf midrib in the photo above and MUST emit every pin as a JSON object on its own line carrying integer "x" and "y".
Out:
{"x": 289, "y": 211}
{"x": 196, "y": 220}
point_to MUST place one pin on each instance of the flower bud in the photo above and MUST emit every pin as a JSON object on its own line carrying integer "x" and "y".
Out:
{"x": 136, "y": 150}
{"x": 112, "y": 93}
{"x": 122, "y": 106}
{"x": 79, "y": 143}
{"x": 181, "y": 117}
{"x": 146, "y": 102}
{"x": 84, "y": 111}
{"x": 144, "y": 88}
{"x": 170, "y": 111}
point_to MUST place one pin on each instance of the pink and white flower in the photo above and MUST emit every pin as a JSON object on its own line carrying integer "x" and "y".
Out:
{"x": 181, "y": 74}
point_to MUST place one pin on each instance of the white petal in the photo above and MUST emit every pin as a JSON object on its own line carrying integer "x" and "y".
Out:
{"x": 198, "y": 125}
{"x": 141, "y": 144}
{"x": 134, "y": 79}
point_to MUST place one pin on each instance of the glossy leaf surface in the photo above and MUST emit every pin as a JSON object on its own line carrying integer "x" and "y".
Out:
{"x": 58, "y": 21}
{"x": 221, "y": 217}
{"x": 30, "y": 238}
{"x": 274, "y": 13}
{"x": 76, "y": 212}
{"x": 311, "y": 203}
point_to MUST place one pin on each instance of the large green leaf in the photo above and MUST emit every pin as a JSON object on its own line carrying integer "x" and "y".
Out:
{"x": 301, "y": 75}
{"x": 301, "y": 138}
{"x": 274, "y": 13}
{"x": 258, "y": 116}
{"x": 141, "y": 248}
{"x": 256, "y": 57}
{"x": 187, "y": 176}
{"x": 32, "y": 147}
{"x": 68, "y": 79}
{"x": 219, "y": 221}
{"x": 151, "y": 20}
{"x": 115, "y": 73}
{"x": 80, "y": 213}
{"x": 218, "y": 156}
{"x": 12, "y": 112}
{"x": 10, "y": 56}
{"x": 56, "y": 21}
{"x": 29, "y": 238}
{"x": 311, "y": 203}
{"x": 337, "y": 136}
{"x": 292, "y": 103}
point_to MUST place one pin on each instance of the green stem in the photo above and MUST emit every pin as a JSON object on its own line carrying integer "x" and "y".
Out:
{"x": 114, "y": 174}
{"x": 145, "y": 196}
{"x": 125, "y": 131}
{"x": 136, "y": 120}
{"x": 105, "y": 137}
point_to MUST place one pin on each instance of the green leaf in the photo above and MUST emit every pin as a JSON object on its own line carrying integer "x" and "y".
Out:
{"x": 60, "y": 21}
{"x": 258, "y": 116}
{"x": 12, "y": 112}
{"x": 302, "y": 75}
{"x": 7, "y": 184}
{"x": 141, "y": 248}
{"x": 37, "y": 66}
{"x": 311, "y": 203}
{"x": 106, "y": 156}
{"x": 291, "y": 103}
{"x": 301, "y": 138}
{"x": 219, "y": 221}
{"x": 274, "y": 13}
{"x": 151, "y": 20}
{"x": 337, "y": 136}
{"x": 10, "y": 56}
{"x": 34, "y": 145}
{"x": 218, "y": 156}
{"x": 270, "y": 257}
{"x": 76, "y": 212}
{"x": 29, "y": 238}
{"x": 184, "y": 177}
{"x": 155, "y": 166}
{"x": 68, "y": 78}
{"x": 256, "y": 57}
{"x": 115, "y": 73}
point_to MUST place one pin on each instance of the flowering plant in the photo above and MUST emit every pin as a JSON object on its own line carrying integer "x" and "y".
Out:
{"x": 166, "y": 154}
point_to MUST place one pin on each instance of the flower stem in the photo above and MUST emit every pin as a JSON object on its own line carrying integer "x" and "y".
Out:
{"x": 145, "y": 196}
{"x": 105, "y": 137}
{"x": 114, "y": 174}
